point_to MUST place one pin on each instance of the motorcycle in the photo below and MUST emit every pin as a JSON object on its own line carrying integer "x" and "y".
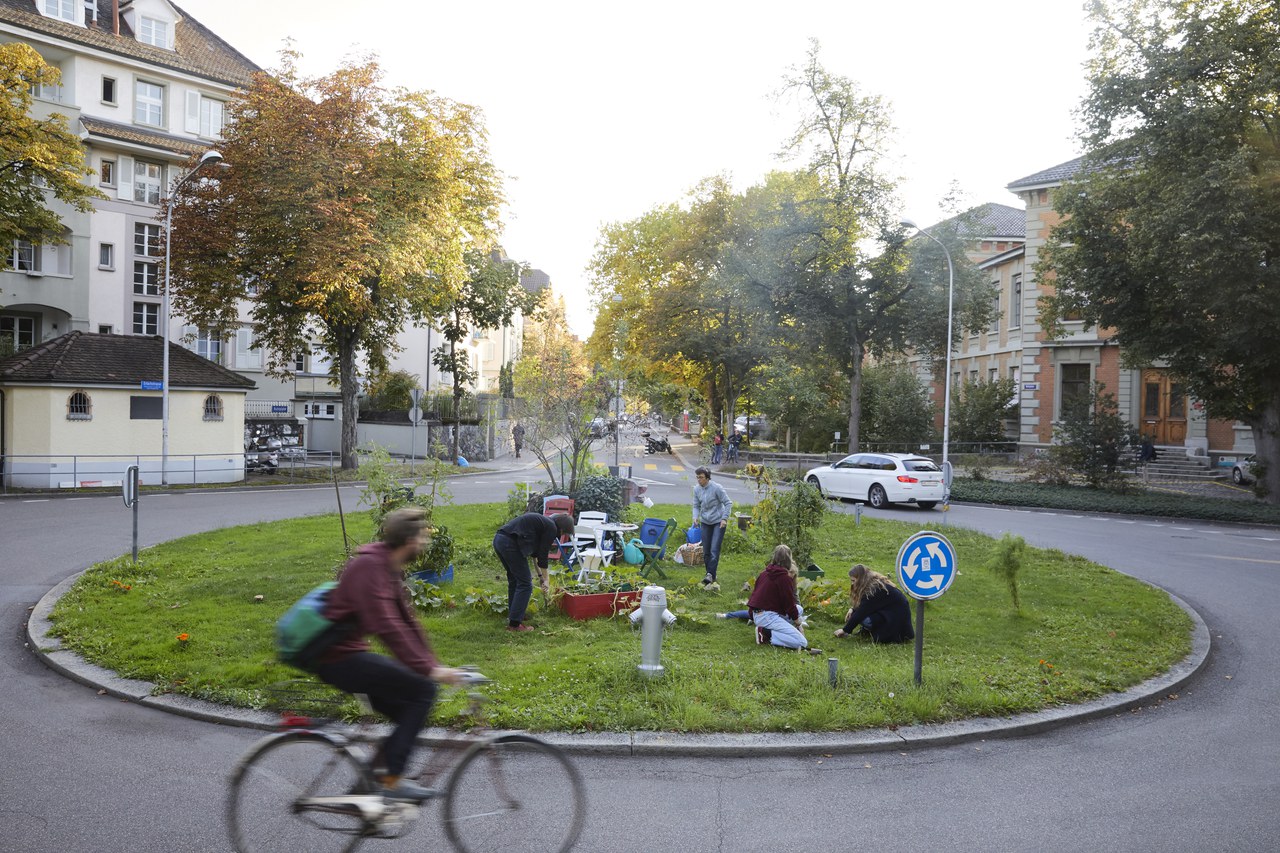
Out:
{"x": 262, "y": 454}
{"x": 655, "y": 445}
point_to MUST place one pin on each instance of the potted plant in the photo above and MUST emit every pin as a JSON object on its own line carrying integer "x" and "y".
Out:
{"x": 435, "y": 566}
{"x": 604, "y": 597}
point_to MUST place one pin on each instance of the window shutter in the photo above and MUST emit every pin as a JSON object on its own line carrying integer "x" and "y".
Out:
{"x": 124, "y": 178}
{"x": 193, "y": 112}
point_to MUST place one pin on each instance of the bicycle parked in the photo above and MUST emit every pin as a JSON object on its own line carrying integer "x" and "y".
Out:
{"x": 309, "y": 788}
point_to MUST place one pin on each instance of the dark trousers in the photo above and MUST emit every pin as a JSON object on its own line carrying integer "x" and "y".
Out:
{"x": 712, "y": 537}
{"x": 403, "y": 696}
{"x": 519, "y": 578}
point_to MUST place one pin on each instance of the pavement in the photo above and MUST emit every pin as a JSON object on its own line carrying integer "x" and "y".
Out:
{"x": 62, "y": 660}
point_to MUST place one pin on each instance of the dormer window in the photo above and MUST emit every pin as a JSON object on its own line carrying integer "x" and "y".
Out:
{"x": 63, "y": 9}
{"x": 153, "y": 31}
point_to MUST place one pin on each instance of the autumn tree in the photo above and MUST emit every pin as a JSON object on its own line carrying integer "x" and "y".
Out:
{"x": 488, "y": 297}
{"x": 345, "y": 215}
{"x": 1170, "y": 233}
{"x": 39, "y": 157}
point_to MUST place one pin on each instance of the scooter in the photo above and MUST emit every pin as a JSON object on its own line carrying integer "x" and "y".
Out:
{"x": 263, "y": 454}
{"x": 655, "y": 445}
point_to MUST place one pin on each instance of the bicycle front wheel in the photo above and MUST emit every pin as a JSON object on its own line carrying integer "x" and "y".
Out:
{"x": 514, "y": 792}
{"x": 298, "y": 791}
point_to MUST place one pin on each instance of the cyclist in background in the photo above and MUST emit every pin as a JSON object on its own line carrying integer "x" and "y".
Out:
{"x": 371, "y": 595}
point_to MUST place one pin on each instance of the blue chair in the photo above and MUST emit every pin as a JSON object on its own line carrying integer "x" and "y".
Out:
{"x": 654, "y": 533}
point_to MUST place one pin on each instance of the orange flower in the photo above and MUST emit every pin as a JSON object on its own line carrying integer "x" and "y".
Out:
{"x": 183, "y": 637}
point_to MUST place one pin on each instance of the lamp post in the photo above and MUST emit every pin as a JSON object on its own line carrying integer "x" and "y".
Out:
{"x": 208, "y": 158}
{"x": 946, "y": 393}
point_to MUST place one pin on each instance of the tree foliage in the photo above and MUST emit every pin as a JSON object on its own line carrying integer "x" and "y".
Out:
{"x": 348, "y": 207}
{"x": 1093, "y": 440}
{"x": 39, "y": 157}
{"x": 391, "y": 391}
{"x": 1171, "y": 235}
{"x": 896, "y": 411}
{"x": 978, "y": 409}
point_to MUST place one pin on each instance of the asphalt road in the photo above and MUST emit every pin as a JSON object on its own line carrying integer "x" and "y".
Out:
{"x": 83, "y": 772}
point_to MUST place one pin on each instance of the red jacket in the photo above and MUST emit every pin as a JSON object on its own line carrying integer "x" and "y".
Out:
{"x": 775, "y": 590}
{"x": 371, "y": 592}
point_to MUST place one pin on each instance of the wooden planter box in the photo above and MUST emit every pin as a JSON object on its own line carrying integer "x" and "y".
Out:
{"x": 598, "y": 603}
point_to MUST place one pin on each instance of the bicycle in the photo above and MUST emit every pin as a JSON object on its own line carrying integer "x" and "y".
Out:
{"x": 307, "y": 787}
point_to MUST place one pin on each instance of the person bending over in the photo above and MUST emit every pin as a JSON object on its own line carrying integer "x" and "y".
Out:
{"x": 530, "y": 535}
{"x": 879, "y": 608}
{"x": 372, "y": 597}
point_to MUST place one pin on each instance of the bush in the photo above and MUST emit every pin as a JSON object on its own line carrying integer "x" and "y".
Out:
{"x": 790, "y": 517}
{"x": 1006, "y": 563}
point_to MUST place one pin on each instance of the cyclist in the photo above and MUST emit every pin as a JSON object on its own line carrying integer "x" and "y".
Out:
{"x": 372, "y": 597}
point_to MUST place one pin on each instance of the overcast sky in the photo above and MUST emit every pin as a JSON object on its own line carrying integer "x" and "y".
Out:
{"x": 599, "y": 111}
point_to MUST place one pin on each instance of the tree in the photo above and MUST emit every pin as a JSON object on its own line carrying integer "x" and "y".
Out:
{"x": 895, "y": 407}
{"x": 1093, "y": 440}
{"x": 979, "y": 408}
{"x": 346, "y": 214}
{"x": 391, "y": 391}
{"x": 488, "y": 297}
{"x": 38, "y": 157}
{"x": 1170, "y": 234}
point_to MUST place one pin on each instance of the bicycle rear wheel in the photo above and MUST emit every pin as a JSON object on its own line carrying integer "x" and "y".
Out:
{"x": 293, "y": 792}
{"x": 514, "y": 792}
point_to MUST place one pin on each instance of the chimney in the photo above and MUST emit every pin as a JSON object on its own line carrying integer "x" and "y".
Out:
{"x": 115, "y": 17}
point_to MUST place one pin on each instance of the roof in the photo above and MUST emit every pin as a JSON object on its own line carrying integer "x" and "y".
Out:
{"x": 1051, "y": 177}
{"x": 990, "y": 221}
{"x": 151, "y": 138}
{"x": 196, "y": 51}
{"x": 85, "y": 359}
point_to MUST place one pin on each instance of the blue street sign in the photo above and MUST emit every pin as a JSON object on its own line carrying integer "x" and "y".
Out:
{"x": 279, "y": 409}
{"x": 926, "y": 565}
{"x": 152, "y": 386}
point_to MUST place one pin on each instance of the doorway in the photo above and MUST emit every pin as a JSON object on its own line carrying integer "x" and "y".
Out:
{"x": 1164, "y": 408}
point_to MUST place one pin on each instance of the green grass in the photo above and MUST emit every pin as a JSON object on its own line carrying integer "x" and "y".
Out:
{"x": 1083, "y": 631}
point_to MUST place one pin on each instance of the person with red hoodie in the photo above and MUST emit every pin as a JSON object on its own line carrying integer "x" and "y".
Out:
{"x": 774, "y": 606}
{"x": 371, "y": 596}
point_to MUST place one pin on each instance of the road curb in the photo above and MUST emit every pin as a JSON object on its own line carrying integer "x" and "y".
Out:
{"x": 69, "y": 664}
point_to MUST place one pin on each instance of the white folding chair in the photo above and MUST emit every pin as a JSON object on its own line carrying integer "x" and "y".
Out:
{"x": 588, "y": 555}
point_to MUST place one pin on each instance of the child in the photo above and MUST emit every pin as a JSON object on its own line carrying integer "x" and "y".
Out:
{"x": 774, "y": 606}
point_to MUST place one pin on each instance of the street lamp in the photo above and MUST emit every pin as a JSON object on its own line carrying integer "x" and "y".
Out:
{"x": 208, "y": 158}
{"x": 946, "y": 393}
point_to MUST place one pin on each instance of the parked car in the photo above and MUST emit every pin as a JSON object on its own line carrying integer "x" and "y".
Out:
{"x": 1244, "y": 471}
{"x": 881, "y": 479}
{"x": 597, "y": 428}
{"x": 759, "y": 425}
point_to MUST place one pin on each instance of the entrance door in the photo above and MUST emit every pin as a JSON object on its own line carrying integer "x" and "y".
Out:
{"x": 1164, "y": 408}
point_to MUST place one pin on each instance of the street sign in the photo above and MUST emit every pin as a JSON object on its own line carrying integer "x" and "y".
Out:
{"x": 279, "y": 409}
{"x": 926, "y": 565}
{"x": 152, "y": 386}
{"x": 415, "y": 415}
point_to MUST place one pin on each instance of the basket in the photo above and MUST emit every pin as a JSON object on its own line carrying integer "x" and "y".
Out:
{"x": 690, "y": 554}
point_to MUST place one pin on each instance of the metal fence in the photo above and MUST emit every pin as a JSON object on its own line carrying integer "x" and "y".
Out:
{"x": 91, "y": 472}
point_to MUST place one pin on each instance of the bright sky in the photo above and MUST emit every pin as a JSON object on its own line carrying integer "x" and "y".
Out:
{"x": 599, "y": 111}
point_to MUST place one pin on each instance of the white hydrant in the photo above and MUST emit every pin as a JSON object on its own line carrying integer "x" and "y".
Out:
{"x": 653, "y": 616}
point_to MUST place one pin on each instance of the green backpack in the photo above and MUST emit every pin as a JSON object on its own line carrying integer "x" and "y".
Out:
{"x": 303, "y": 633}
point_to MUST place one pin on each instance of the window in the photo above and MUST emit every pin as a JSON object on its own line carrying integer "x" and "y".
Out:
{"x": 300, "y": 362}
{"x": 204, "y": 115}
{"x": 995, "y": 312}
{"x": 146, "y": 239}
{"x": 247, "y": 356}
{"x": 209, "y": 345}
{"x": 1074, "y": 384}
{"x": 993, "y": 373}
{"x": 1015, "y": 302}
{"x": 47, "y": 91}
{"x": 25, "y": 256}
{"x": 146, "y": 278}
{"x": 19, "y": 331}
{"x": 79, "y": 407}
{"x": 148, "y": 104}
{"x": 213, "y": 408}
{"x": 146, "y": 181}
{"x": 106, "y": 256}
{"x": 107, "y": 173}
{"x": 109, "y": 90}
{"x": 64, "y": 9}
{"x": 146, "y": 318}
{"x": 153, "y": 32}
{"x": 104, "y": 330}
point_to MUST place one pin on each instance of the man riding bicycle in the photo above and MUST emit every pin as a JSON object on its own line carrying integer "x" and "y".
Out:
{"x": 371, "y": 596}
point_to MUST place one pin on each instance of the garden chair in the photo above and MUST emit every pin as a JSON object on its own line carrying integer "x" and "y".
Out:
{"x": 586, "y": 554}
{"x": 654, "y": 533}
{"x": 593, "y": 519}
{"x": 553, "y": 505}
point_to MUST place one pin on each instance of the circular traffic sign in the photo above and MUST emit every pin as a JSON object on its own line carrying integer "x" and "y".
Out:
{"x": 926, "y": 565}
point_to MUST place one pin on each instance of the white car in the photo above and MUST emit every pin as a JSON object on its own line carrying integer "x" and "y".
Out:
{"x": 881, "y": 479}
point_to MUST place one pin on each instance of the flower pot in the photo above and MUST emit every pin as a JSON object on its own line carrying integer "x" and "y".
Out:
{"x": 433, "y": 577}
{"x": 596, "y": 604}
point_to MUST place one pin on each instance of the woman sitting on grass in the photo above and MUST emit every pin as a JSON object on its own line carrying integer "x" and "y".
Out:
{"x": 879, "y": 608}
{"x": 774, "y": 606}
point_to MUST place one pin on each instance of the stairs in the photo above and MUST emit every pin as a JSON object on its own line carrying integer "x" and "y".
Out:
{"x": 1172, "y": 463}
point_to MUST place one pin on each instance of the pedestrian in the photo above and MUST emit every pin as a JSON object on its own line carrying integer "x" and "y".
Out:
{"x": 734, "y": 441}
{"x": 774, "y": 606}
{"x": 878, "y": 607}
{"x": 711, "y": 508}
{"x": 717, "y": 447}
{"x": 517, "y": 437}
{"x": 530, "y": 535}
{"x": 372, "y": 597}
{"x": 1147, "y": 450}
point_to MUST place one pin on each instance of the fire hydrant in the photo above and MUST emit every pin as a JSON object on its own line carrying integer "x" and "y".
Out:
{"x": 653, "y": 616}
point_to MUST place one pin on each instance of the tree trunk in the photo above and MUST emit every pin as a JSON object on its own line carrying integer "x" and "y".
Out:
{"x": 1266, "y": 443}
{"x": 855, "y": 396}
{"x": 457, "y": 401}
{"x": 350, "y": 408}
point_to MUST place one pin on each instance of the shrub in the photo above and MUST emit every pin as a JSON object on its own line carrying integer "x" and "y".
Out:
{"x": 1006, "y": 563}
{"x": 791, "y": 517}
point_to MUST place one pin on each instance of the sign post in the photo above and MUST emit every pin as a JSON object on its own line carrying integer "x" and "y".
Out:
{"x": 131, "y": 501}
{"x": 415, "y": 415}
{"x": 926, "y": 568}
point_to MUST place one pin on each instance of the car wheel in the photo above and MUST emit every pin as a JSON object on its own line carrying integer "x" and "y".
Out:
{"x": 927, "y": 504}
{"x": 877, "y": 496}
{"x": 1237, "y": 476}
{"x": 813, "y": 481}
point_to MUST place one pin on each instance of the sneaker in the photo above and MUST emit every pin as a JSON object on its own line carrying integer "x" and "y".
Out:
{"x": 409, "y": 792}
{"x": 520, "y": 628}
{"x": 722, "y": 615}
{"x": 764, "y": 636}
{"x": 708, "y": 580}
